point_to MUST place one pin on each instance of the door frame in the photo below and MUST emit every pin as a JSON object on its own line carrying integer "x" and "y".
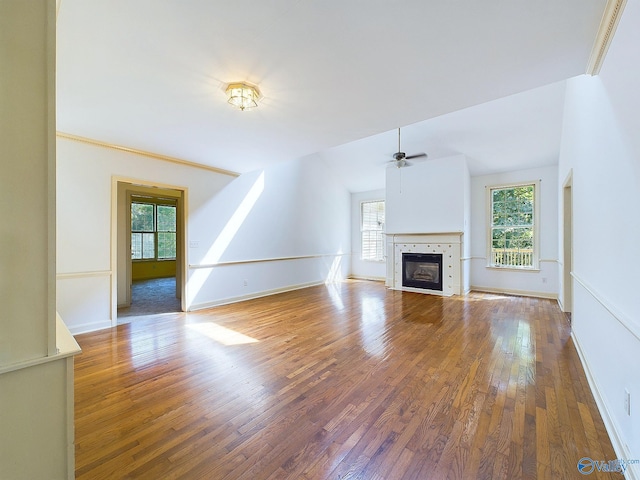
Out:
{"x": 567, "y": 243}
{"x": 121, "y": 189}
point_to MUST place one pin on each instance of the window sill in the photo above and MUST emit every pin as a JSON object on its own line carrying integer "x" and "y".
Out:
{"x": 373, "y": 261}
{"x": 517, "y": 269}
{"x": 148, "y": 260}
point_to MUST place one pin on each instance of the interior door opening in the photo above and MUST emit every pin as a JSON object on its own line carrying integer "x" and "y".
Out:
{"x": 150, "y": 277}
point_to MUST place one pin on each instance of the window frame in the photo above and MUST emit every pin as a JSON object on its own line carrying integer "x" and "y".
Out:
{"x": 535, "y": 267}
{"x": 382, "y": 257}
{"x": 155, "y": 201}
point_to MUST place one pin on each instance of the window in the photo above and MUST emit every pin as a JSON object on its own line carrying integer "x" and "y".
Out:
{"x": 512, "y": 233}
{"x": 372, "y": 230}
{"x": 153, "y": 231}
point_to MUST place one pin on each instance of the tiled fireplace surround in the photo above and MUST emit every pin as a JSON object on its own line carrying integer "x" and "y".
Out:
{"x": 448, "y": 244}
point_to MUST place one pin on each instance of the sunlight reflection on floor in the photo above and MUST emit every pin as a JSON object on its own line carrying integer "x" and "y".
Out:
{"x": 221, "y": 334}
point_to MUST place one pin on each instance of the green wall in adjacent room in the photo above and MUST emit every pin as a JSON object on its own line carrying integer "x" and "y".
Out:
{"x": 150, "y": 269}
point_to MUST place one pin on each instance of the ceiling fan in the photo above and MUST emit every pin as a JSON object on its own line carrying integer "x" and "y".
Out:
{"x": 400, "y": 158}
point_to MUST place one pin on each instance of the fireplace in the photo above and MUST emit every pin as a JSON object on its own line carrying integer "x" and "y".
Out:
{"x": 427, "y": 248}
{"x": 422, "y": 270}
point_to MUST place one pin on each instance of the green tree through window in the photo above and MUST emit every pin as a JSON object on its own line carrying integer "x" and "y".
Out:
{"x": 513, "y": 226}
{"x": 166, "y": 231}
{"x": 153, "y": 231}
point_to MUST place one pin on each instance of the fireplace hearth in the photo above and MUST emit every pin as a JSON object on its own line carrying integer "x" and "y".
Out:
{"x": 422, "y": 270}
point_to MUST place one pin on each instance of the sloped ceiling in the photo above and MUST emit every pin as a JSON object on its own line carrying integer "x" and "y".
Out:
{"x": 151, "y": 75}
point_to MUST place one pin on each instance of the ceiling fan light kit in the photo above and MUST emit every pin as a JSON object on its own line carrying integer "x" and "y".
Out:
{"x": 400, "y": 158}
{"x": 243, "y": 95}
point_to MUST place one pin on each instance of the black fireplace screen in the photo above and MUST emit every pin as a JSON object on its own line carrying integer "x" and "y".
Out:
{"x": 422, "y": 270}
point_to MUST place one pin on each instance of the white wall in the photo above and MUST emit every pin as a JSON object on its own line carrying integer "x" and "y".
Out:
{"x": 363, "y": 268}
{"x": 543, "y": 283}
{"x": 293, "y": 209}
{"x": 432, "y": 197}
{"x": 236, "y": 229}
{"x": 601, "y": 146}
{"x": 428, "y": 197}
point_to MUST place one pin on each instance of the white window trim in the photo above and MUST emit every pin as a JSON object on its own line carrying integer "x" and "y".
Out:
{"x": 384, "y": 253}
{"x": 536, "y": 225}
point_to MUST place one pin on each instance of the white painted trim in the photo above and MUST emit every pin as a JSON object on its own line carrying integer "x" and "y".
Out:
{"x": 624, "y": 320}
{"x": 542, "y": 260}
{"x": 261, "y": 260}
{"x": 12, "y": 367}
{"x": 434, "y": 237}
{"x": 251, "y": 296}
{"x": 520, "y": 293}
{"x": 157, "y": 156}
{"x": 617, "y": 443}
{"x": 423, "y": 291}
{"x": 96, "y": 273}
{"x": 66, "y": 347}
{"x": 514, "y": 269}
{"x": 91, "y": 327}
{"x": 370, "y": 279}
{"x": 606, "y": 30}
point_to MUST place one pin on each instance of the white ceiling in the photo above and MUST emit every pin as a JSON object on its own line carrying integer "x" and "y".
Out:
{"x": 337, "y": 77}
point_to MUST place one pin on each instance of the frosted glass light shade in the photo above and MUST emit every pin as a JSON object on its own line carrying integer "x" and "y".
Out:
{"x": 243, "y": 95}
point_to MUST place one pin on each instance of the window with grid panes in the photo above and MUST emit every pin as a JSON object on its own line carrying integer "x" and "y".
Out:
{"x": 512, "y": 233}
{"x": 153, "y": 231}
{"x": 372, "y": 230}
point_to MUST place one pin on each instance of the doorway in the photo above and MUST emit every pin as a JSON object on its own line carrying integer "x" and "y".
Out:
{"x": 567, "y": 246}
{"x": 150, "y": 256}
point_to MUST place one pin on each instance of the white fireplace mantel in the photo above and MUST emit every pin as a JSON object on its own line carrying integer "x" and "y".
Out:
{"x": 449, "y": 244}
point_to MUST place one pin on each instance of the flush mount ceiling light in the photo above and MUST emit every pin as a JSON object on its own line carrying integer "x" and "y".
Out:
{"x": 242, "y": 95}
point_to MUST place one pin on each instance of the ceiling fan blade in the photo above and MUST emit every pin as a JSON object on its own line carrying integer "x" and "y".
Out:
{"x": 417, "y": 155}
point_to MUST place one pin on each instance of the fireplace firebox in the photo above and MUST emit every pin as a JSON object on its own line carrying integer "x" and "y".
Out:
{"x": 422, "y": 270}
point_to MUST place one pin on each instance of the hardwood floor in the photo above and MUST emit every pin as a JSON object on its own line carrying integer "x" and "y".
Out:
{"x": 335, "y": 382}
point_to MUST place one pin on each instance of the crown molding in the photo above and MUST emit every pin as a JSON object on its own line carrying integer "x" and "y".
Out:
{"x": 135, "y": 151}
{"x": 608, "y": 24}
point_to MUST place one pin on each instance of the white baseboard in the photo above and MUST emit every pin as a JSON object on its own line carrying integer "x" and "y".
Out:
{"x": 509, "y": 291}
{"x": 251, "y": 296}
{"x": 373, "y": 279}
{"x": 89, "y": 327}
{"x": 632, "y": 472}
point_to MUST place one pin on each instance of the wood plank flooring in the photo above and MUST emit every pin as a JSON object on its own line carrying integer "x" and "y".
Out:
{"x": 345, "y": 381}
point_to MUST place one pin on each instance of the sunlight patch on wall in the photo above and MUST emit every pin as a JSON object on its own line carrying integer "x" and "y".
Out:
{"x": 235, "y": 222}
{"x": 220, "y": 334}
{"x": 221, "y": 243}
